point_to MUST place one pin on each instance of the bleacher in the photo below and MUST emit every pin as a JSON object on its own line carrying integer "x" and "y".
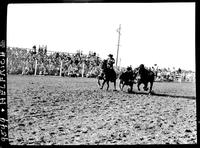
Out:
{"x": 25, "y": 61}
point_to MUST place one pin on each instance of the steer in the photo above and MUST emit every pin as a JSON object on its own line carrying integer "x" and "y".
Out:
{"x": 127, "y": 78}
{"x": 146, "y": 76}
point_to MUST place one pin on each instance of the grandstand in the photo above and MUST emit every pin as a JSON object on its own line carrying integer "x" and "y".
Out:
{"x": 24, "y": 61}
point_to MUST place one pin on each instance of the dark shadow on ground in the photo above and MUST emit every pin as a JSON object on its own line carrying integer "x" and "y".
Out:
{"x": 163, "y": 95}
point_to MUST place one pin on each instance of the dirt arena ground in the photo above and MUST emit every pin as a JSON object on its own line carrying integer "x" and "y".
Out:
{"x": 45, "y": 110}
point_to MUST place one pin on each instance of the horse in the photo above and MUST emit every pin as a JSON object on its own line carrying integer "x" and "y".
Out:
{"x": 107, "y": 75}
{"x": 146, "y": 76}
{"x": 127, "y": 78}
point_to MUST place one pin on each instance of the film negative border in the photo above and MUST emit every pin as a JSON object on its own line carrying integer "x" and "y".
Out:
{"x": 3, "y": 75}
{"x": 3, "y": 86}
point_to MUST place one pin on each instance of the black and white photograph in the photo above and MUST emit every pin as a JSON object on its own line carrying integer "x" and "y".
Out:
{"x": 101, "y": 73}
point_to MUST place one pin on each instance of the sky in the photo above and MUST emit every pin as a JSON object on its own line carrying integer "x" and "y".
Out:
{"x": 151, "y": 33}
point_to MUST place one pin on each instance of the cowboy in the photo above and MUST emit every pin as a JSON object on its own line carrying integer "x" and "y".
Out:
{"x": 129, "y": 69}
{"x": 110, "y": 61}
{"x": 130, "y": 73}
{"x": 142, "y": 70}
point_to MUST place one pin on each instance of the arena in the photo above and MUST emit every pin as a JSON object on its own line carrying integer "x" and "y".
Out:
{"x": 53, "y": 110}
{"x": 56, "y": 56}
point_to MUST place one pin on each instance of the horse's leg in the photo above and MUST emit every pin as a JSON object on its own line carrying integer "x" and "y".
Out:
{"x": 99, "y": 81}
{"x": 151, "y": 85}
{"x": 122, "y": 86}
{"x": 120, "y": 83}
{"x": 138, "y": 85}
{"x": 115, "y": 85}
{"x": 104, "y": 81}
{"x": 145, "y": 86}
{"x": 107, "y": 85}
{"x": 131, "y": 85}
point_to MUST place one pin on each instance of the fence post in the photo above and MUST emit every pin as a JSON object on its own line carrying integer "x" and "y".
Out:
{"x": 61, "y": 68}
{"x": 23, "y": 68}
{"x": 44, "y": 71}
{"x": 83, "y": 66}
{"x": 35, "y": 67}
{"x": 179, "y": 79}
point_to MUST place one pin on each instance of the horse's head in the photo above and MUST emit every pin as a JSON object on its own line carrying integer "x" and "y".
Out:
{"x": 104, "y": 61}
{"x": 104, "y": 64}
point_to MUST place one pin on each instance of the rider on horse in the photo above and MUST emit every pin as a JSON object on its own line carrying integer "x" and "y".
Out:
{"x": 108, "y": 73}
{"x": 110, "y": 61}
{"x": 107, "y": 63}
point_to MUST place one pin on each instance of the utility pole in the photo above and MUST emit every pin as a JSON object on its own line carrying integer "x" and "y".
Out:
{"x": 119, "y": 62}
{"x": 118, "y": 30}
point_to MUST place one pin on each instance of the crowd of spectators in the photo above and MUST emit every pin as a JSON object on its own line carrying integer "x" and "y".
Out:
{"x": 24, "y": 61}
{"x": 171, "y": 75}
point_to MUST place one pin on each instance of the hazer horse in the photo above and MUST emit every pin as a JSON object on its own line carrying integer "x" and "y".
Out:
{"x": 146, "y": 76}
{"x": 127, "y": 78}
{"x": 108, "y": 75}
